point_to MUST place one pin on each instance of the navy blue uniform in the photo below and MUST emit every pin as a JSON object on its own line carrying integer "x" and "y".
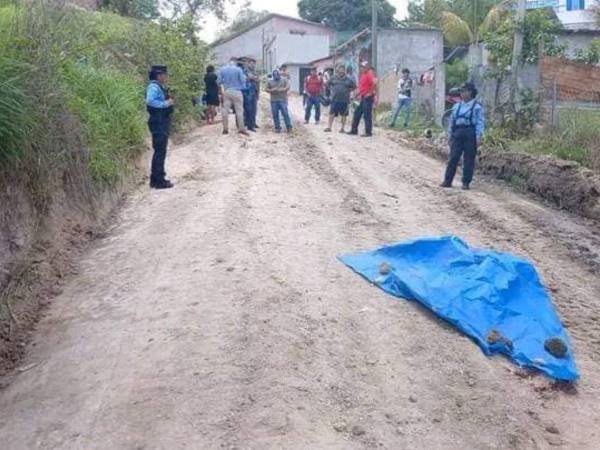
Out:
{"x": 466, "y": 127}
{"x": 159, "y": 122}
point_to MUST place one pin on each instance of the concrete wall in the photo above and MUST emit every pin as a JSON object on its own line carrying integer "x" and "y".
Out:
{"x": 292, "y": 42}
{"x": 419, "y": 51}
{"x": 282, "y": 25}
{"x": 577, "y": 41}
{"x": 247, "y": 44}
{"x": 295, "y": 48}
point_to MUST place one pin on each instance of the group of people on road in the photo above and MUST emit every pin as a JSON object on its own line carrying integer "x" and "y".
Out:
{"x": 236, "y": 87}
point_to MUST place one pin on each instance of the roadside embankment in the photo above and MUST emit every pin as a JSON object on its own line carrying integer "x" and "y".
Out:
{"x": 72, "y": 126}
{"x": 566, "y": 184}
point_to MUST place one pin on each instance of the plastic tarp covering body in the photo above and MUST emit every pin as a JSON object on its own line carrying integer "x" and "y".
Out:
{"x": 495, "y": 298}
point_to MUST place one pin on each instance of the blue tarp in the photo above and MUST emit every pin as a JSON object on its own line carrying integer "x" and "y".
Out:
{"x": 495, "y": 298}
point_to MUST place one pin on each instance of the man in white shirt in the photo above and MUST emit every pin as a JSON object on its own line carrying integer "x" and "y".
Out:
{"x": 405, "y": 87}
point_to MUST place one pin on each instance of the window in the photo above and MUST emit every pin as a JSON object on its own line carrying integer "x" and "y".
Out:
{"x": 573, "y": 5}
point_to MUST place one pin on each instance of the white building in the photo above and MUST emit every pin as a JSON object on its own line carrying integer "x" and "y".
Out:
{"x": 573, "y": 14}
{"x": 277, "y": 40}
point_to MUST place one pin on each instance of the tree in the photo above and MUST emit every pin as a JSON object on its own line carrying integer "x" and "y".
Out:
{"x": 195, "y": 8}
{"x": 462, "y": 21}
{"x": 343, "y": 15}
{"x": 138, "y": 9}
{"x": 244, "y": 20}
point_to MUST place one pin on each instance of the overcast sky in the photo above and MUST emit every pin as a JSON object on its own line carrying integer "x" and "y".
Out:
{"x": 287, "y": 7}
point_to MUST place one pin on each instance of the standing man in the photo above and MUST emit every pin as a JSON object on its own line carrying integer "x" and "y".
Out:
{"x": 251, "y": 94}
{"x": 367, "y": 89}
{"x": 160, "y": 107}
{"x": 313, "y": 86}
{"x": 232, "y": 81}
{"x": 405, "y": 87}
{"x": 341, "y": 86}
{"x": 465, "y": 132}
{"x": 279, "y": 86}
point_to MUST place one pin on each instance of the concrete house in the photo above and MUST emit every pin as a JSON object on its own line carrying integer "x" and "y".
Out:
{"x": 276, "y": 40}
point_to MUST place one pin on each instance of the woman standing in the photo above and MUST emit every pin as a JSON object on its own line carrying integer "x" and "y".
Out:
{"x": 212, "y": 94}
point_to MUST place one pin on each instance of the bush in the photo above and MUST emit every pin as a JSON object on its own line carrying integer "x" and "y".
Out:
{"x": 457, "y": 73}
{"x": 70, "y": 77}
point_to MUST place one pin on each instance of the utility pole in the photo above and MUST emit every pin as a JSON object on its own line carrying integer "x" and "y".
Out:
{"x": 374, "y": 35}
{"x": 517, "y": 51}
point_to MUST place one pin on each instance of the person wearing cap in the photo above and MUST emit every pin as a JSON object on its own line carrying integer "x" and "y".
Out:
{"x": 367, "y": 89}
{"x": 467, "y": 125}
{"x": 313, "y": 85}
{"x": 251, "y": 93}
{"x": 279, "y": 86}
{"x": 232, "y": 81}
{"x": 160, "y": 108}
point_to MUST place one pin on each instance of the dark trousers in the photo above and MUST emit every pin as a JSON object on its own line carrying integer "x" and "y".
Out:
{"x": 463, "y": 143}
{"x": 365, "y": 108}
{"x": 250, "y": 107}
{"x": 159, "y": 144}
{"x": 312, "y": 100}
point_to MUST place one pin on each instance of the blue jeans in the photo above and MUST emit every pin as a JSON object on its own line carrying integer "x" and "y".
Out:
{"x": 403, "y": 103}
{"x": 278, "y": 106}
{"x": 250, "y": 107}
{"x": 310, "y": 102}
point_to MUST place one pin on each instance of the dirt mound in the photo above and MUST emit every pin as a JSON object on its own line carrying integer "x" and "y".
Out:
{"x": 564, "y": 183}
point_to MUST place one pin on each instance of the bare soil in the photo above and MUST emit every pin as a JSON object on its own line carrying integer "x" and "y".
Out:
{"x": 215, "y": 315}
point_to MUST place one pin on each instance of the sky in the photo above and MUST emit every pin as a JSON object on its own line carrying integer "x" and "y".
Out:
{"x": 287, "y": 7}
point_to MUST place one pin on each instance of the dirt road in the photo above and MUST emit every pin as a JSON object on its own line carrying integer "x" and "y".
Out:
{"x": 215, "y": 315}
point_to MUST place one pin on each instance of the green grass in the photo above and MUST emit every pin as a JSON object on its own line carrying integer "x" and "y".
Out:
{"x": 69, "y": 77}
{"x": 576, "y": 138}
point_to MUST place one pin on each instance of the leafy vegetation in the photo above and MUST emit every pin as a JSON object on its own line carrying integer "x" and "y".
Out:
{"x": 590, "y": 55}
{"x": 71, "y": 77}
{"x": 344, "y": 15}
{"x": 457, "y": 73}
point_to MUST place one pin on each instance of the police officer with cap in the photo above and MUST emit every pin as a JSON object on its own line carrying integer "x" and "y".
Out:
{"x": 160, "y": 108}
{"x": 465, "y": 132}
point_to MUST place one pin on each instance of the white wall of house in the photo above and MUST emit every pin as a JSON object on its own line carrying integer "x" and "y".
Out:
{"x": 291, "y": 41}
{"x": 574, "y": 18}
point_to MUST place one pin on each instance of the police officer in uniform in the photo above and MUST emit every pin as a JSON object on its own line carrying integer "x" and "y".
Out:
{"x": 465, "y": 132}
{"x": 160, "y": 108}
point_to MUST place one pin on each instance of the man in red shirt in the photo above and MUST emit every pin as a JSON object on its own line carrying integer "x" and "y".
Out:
{"x": 367, "y": 89}
{"x": 313, "y": 85}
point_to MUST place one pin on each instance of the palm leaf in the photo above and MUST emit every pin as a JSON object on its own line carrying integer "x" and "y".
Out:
{"x": 456, "y": 30}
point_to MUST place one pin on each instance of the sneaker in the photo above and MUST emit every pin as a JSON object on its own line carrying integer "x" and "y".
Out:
{"x": 446, "y": 185}
{"x": 342, "y": 131}
{"x": 225, "y": 132}
{"x": 465, "y": 186}
{"x": 366, "y": 135}
{"x": 306, "y": 122}
{"x": 252, "y": 129}
{"x": 327, "y": 130}
{"x": 243, "y": 132}
{"x": 289, "y": 130}
{"x": 353, "y": 133}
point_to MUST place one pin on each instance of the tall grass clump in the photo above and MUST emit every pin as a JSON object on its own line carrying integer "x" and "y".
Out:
{"x": 72, "y": 86}
{"x": 576, "y": 138}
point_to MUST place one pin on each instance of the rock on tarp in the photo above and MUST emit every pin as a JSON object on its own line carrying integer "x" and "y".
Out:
{"x": 495, "y": 298}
